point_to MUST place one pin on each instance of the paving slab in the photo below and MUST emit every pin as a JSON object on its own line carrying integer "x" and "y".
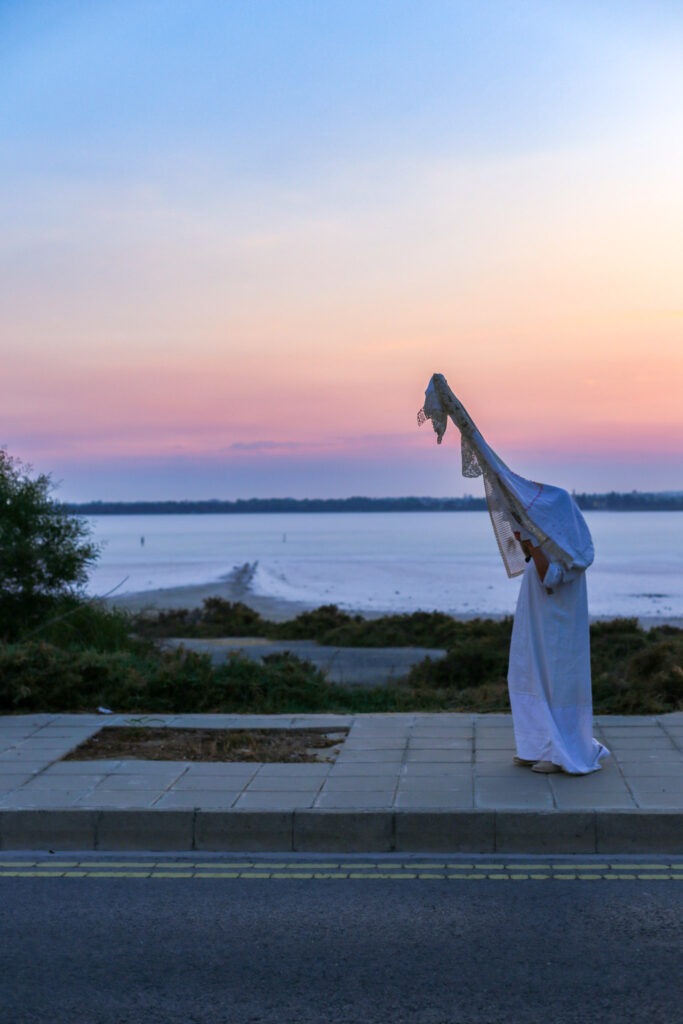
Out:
{"x": 400, "y": 783}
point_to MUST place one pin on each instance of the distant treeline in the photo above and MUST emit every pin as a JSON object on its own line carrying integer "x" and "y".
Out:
{"x": 247, "y": 505}
{"x": 635, "y": 501}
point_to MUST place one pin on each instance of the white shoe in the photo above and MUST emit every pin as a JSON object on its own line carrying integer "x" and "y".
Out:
{"x": 546, "y": 767}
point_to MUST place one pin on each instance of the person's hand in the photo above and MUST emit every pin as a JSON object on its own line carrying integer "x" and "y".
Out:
{"x": 526, "y": 545}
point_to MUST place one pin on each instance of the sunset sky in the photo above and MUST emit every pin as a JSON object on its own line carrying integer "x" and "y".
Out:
{"x": 238, "y": 236}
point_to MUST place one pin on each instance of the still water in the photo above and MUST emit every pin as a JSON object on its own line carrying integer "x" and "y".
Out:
{"x": 385, "y": 561}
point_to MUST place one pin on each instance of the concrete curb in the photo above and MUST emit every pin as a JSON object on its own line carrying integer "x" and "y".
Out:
{"x": 344, "y": 831}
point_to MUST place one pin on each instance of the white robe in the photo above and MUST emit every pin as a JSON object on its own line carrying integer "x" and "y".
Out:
{"x": 549, "y": 676}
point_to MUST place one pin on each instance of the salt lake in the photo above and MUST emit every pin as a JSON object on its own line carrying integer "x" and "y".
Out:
{"x": 399, "y": 562}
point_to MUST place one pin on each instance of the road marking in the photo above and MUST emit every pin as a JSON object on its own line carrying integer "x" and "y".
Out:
{"x": 639, "y": 867}
{"x": 105, "y": 865}
{"x": 575, "y": 867}
{"x": 356, "y": 866}
{"x": 120, "y": 874}
{"x": 321, "y": 870}
{"x": 528, "y": 867}
{"x": 292, "y": 874}
{"x": 31, "y": 874}
{"x": 216, "y": 874}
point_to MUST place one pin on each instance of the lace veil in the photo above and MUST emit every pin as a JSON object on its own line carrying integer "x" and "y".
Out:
{"x": 545, "y": 512}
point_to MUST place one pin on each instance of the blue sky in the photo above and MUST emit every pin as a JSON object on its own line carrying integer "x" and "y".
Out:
{"x": 239, "y": 237}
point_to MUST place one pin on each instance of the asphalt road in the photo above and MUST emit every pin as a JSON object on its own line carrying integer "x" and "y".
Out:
{"x": 189, "y": 951}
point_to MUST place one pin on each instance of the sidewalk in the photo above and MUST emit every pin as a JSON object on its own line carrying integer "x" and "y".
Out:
{"x": 405, "y": 783}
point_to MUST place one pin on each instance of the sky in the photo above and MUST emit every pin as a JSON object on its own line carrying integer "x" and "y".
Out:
{"x": 238, "y": 237}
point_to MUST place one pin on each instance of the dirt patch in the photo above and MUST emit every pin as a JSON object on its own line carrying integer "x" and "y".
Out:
{"x": 149, "y": 743}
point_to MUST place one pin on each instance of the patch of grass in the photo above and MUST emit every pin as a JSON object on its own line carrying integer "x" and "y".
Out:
{"x": 154, "y": 743}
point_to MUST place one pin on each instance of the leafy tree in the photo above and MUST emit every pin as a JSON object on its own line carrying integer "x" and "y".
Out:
{"x": 45, "y": 551}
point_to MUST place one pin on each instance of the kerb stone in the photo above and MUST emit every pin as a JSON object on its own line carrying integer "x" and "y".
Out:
{"x": 144, "y": 829}
{"x": 545, "y": 832}
{"x": 48, "y": 829}
{"x": 355, "y": 831}
{"x": 640, "y": 832}
{"x": 445, "y": 831}
{"x": 256, "y": 831}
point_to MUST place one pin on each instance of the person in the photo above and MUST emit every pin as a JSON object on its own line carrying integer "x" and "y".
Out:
{"x": 549, "y": 672}
{"x": 542, "y": 535}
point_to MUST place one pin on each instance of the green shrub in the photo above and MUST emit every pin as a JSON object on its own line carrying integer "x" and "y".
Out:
{"x": 314, "y": 625}
{"x": 75, "y": 623}
{"x": 327, "y": 625}
{"x": 216, "y": 618}
{"x": 45, "y": 551}
{"x": 163, "y": 624}
{"x": 224, "y": 618}
{"x": 38, "y": 676}
{"x": 659, "y": 670}
{"x": 417, "y": 629}
{"x": 649, "y": 680}
{"x": 473, "y": 662}
{"x": 615, "y": 641}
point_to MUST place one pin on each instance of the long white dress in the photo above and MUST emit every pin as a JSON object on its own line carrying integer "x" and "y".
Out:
{"x": 549, "y": 676}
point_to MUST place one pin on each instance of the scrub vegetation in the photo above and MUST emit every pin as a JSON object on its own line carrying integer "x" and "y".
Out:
{"x": 86, "y": 656}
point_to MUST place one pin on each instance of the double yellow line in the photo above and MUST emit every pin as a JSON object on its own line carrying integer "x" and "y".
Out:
{"x": 277, "y": 870}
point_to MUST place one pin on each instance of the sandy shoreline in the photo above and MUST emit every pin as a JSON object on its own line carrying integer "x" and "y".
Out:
{"x": 279, "y": 610}
{"x": 192, "y": 596}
